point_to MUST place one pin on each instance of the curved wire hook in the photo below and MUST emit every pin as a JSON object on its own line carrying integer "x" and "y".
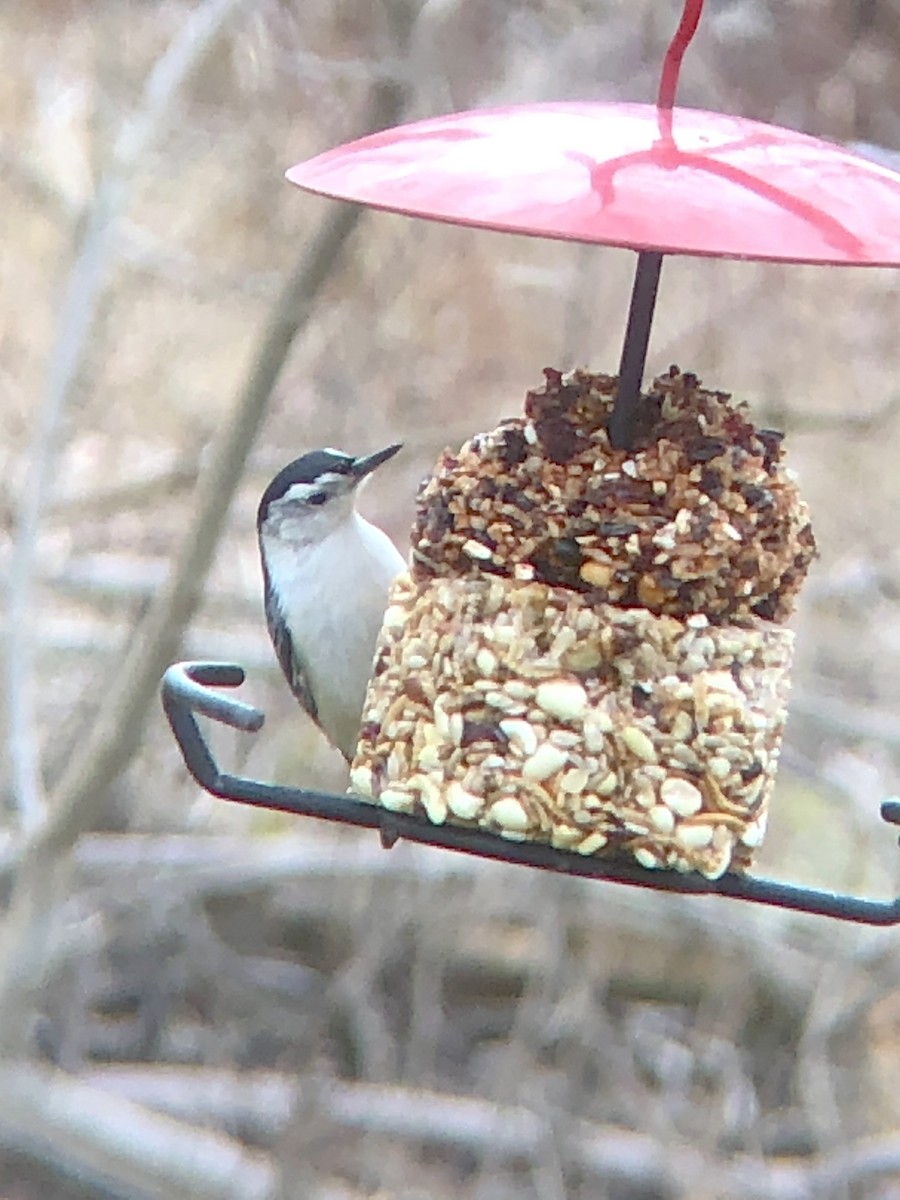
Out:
{"x": 671, "y": 68}
{"x": 187, "y": 691}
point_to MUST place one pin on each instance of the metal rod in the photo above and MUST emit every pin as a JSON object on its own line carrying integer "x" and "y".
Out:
{"x": 185, "y": 693}
{"x": 623, "y": 419}
{"x": 646, "y": 279}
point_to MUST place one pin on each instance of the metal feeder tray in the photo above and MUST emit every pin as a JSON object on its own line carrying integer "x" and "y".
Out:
{"x": 188, "y": 690}
{"x": 653, "y": 178}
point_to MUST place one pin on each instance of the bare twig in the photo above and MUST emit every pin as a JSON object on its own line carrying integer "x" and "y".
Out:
{"x": 859, "y": 423}
{"x": 114, "y": 732}
{"x": 815, "y": 1076}
{"x": 117, "y": 725}
{"x": 82, "y": 1131}
{"x": 114, "y": 735}
{"x": 86, "y": 284}
{"x": 100, "y": 637}
{"x": 259, "y": 1103}
{"x": 849, "y": 719}
{"x": 38, "y": 893}
{"x": 135, "y": 494}
{"x": 265, "y": 1100}
{"x": 187, "y": 867}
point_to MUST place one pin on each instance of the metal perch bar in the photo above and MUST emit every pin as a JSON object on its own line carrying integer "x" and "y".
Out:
{"x": 187, "y": 691}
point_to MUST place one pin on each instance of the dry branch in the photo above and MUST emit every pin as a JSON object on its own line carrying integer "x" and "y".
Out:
{"x": 703, "y": 941}
{"x": 115, "y": 731}
{"x": 81, "y": 306}
{"x": 846, "y": 718}
{"x": 130, "y": 496}
{"x": 260, "y": 1104}
{"x": 117, "y": 727}
{"x": 266, "y": 1101}
{"x": 100, "y": 638}
{"x": 114, "y": 1144}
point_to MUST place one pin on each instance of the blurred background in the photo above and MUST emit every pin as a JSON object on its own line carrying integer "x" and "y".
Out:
{"x": 200, "y": 1000}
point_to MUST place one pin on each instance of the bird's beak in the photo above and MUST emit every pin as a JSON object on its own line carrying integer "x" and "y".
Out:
{"x": 363, "y": 466}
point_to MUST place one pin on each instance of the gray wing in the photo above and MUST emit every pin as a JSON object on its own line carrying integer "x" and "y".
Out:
{"x": 288, "y": 658}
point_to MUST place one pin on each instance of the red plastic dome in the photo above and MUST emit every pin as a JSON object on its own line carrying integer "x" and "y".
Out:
{"x": 680, "y": 181}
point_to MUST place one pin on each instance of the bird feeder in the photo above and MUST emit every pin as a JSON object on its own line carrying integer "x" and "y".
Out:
{"x": 654, "y": 179}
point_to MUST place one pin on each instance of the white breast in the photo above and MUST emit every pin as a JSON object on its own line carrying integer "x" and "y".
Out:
{"x": 333, "y": 595}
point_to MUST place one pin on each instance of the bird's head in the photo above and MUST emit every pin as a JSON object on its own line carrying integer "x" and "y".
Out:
{"x": 312, "y": 496}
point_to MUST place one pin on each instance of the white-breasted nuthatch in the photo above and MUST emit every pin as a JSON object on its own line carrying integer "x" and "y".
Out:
{"x": 326, "y": 573}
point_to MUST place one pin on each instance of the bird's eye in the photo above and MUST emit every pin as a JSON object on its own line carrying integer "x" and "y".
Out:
{"x": 316, "y": 498}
